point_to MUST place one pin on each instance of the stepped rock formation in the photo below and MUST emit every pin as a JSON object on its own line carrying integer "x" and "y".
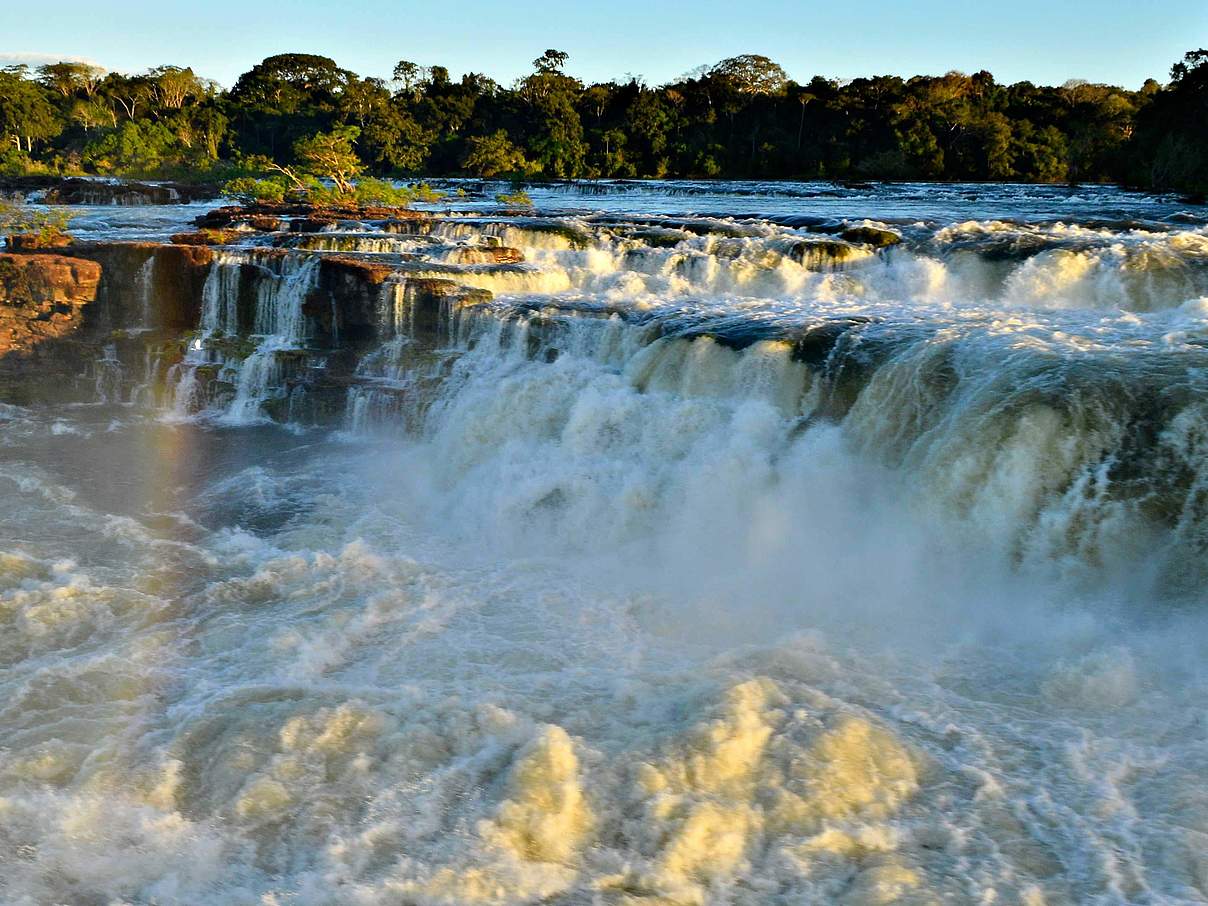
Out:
{"x": 192, "y": 321}
{"x": 44, "y": 303}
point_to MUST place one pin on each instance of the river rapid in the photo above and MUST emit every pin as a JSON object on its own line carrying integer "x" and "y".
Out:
{"x": 734, "y": 552}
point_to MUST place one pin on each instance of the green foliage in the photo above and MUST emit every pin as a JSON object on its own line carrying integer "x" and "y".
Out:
{"x": 319, "y": 129}
{"x": 249, "y": 190}
{"x": 494, "y": 155}
{"x": 137, "y": 148}
{"x": 516, "y": 199}
{"x": 424, "y": 193}
{"x": 1170, "y": 146}
{"x": 330, "y": 155}
{"x": 14, "y": 162}
{"x": 44, "y": 226}
{"x": 371, "y": 191}
{"x": 26, "y": 112}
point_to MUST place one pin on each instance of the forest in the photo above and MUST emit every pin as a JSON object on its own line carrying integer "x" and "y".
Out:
{"x": 740, "y": 118}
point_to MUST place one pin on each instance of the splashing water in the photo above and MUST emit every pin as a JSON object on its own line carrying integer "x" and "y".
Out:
{"x": 690, "y": 568}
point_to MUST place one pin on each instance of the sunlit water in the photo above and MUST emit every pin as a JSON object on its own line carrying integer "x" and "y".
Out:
{"x": 656, "y": 621}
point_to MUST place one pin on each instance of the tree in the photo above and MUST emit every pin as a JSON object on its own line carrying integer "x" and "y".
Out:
{"x": 494, "y": 155}
{"x": 172, "y": 86}
{"x": 751, "y": 74}
{"x": 69, "y": 78}
{"x": 331, "y": 155}
{"x": 410, "y": 76}
{"x": 284, "y": 98}
{"x": 556, "y": 132}
{"x": 551, "y": 61}
{"x": 25, "y": 112}
{"x": 1168, "y": 148}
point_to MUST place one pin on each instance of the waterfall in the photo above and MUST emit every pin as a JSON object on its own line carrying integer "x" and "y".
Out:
{"x": 108, "y": 376}
{"x": 145, "y": 282}
{"x": 280, "y": 327}
{"x": 810, "y": 329}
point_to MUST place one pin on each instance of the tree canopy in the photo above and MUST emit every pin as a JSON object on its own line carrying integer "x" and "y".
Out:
{"x": 742, "y": 117}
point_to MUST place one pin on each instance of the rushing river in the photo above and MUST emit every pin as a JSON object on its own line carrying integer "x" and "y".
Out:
{"x": 716, "y": 560}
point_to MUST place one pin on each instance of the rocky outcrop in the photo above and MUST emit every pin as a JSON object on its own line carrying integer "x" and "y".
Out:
{"x": 97, "y": 192}
{"x": 485, "y": 254}
{"x": 75, "y": 190}
{"x": 115, "y": 320}
{"x": 877, "y": 237}
{"x": 165, "y": 295}
{"x": 44, "y": 303}
{"x": 432, "y": 302}
{"x": 208, "y": 237}
{"x": 303, "y": 218}
{"x": 33, "y": 242}
{"x": 347, "y": 300}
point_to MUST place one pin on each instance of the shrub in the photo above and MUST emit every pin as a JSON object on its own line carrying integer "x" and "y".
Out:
{"x": 37, "y": 226}
{"x": 517, "y": 199}
{"x": 249, "y": 190}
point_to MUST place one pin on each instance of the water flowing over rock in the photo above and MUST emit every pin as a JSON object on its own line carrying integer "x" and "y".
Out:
{"x": 604, "y": 557}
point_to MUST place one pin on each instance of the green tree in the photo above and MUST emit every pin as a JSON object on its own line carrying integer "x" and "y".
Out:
{"x": 284, "y": 98}
{"x": 494, "y": 155}
{"x": 331, "y": 155}
{"x": 556, "y": 140}
{"x": 26, "y": 115}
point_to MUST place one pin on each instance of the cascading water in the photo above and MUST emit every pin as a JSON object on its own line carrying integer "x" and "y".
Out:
{"x": 278, "y": 331}
{"x": 697, "y": 560}
{"x": 281, "y": 329}
{"x": 146, "y": 289}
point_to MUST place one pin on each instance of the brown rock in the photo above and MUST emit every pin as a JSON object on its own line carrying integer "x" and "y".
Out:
{"x": 208, "y": 237}
{"x": 493, "y": 254}
{"x": 43, "y": 297}
{"x": 32, "y": 242}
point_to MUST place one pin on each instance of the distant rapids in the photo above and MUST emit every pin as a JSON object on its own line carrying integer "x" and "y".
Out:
{"x": 670, "y": 544}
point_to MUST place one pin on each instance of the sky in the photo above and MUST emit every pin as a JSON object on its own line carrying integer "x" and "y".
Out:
{"x": 1120, "y": 42}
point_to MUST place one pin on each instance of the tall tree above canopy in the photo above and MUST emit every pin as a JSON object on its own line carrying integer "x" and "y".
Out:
{"x": 555, "y": 129}
{"x": 285, "y": 97}
{"x": 69, "y": 78}
{"x": 287, "y": 82}
{"x": 411, "y": 77}
{"x": 751, "y": 73}
{"x": 551, "y": 61}
{"x": 174, "y": 85}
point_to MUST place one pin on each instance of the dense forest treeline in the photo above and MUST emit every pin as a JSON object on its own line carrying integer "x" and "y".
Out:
{"x": 742, "y": 118}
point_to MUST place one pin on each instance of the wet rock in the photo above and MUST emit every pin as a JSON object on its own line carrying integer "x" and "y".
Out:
{"x": 312, "y": 224}
{"x": 31, "y": 242}
{"x": 263, "y": 223}
{"x": 658, "y": 237}
{"x": 173, "y": 294}
{"x": 77, "y": 191}
{"x": 433, "y": 302}
{"x": 208, "y": 237}
{"x": 870, "y": 235}
{"x": 43, "y": 307}
{"x": 302, "y": 217}
{"x": 825, "y": 254}
{"x": 488, "y": 254}
{"x": 576, "y": 236}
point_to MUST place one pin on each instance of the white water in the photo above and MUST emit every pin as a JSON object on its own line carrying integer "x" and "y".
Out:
{"x": 656, "y": 621}
{"x": 278, "y": 327}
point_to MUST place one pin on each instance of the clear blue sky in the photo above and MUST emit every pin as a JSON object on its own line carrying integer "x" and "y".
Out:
{"x": 1045, "y": 41}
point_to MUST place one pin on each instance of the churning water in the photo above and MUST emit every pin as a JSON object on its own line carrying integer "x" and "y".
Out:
{"x": 717, "y": 558}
